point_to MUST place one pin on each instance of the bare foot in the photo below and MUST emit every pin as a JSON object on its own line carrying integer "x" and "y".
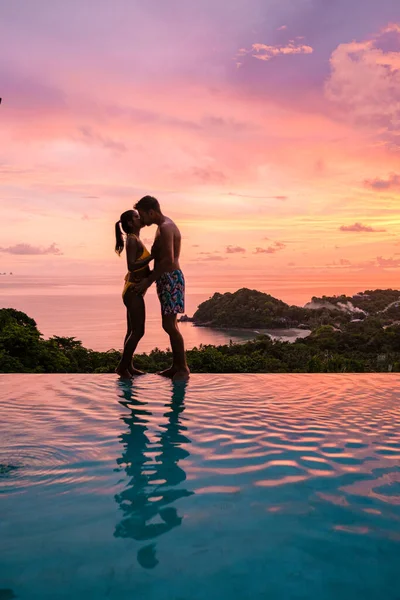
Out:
{"x": 123, "y": 373}
{"x": 168, "y": 372}
{"x": 181, "y": 375}
{"x": 134, "y": 371}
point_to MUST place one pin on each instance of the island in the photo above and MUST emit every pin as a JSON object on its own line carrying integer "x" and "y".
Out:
{"x": 250, "y": 309}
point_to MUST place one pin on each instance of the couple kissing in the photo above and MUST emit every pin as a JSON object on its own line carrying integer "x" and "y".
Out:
{"x": 166, "y": 274}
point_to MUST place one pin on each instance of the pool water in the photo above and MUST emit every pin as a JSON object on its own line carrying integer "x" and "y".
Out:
{"x": 239, "y": 487}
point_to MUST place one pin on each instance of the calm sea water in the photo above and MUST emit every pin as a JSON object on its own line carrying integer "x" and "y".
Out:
{"x": 92, "y": 311}
{"x": 239, "y": 487}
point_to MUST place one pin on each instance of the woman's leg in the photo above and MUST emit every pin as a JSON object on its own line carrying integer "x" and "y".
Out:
{"x": 128, "y": 326}
{"x": 137, "y": 315}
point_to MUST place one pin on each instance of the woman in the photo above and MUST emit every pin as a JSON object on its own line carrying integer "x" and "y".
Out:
{"x": 138, "y": 259}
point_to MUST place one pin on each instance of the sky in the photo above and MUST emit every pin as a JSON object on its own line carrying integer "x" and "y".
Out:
{"x": 268, "y": 130}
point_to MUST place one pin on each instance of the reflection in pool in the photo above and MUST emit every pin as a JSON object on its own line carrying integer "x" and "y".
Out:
{"x": 152, "y": 484}
{"x": 233, "y": 486}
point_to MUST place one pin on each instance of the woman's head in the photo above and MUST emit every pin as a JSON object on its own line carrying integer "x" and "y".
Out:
{"x": 129, "y": 222}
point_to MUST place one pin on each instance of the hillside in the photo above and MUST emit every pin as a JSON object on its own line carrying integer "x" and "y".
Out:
{"x": 253, "y": 309}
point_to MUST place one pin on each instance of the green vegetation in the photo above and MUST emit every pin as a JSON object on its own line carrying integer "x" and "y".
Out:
{"x": 366, "y": 346}
{"x": 253, "y": 309}
{"x": 373, "y": 302}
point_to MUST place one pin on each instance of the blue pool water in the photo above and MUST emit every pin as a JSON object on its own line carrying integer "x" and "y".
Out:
{"x": 239, "y": 487}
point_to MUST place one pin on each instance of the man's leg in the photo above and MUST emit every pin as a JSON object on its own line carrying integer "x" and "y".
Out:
{"x": 179, "y": 365}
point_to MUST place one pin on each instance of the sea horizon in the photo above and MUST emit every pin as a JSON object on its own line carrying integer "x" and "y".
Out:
{"x": 90, "y": 309}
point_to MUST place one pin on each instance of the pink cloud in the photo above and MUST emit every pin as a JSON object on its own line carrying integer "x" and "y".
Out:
{"x": 365, "y": 83}
{"x": 359, "y": 227}
{"x": 265, "y": 52}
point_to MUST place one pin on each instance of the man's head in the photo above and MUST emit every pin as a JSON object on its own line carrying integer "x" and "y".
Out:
{"x": 148, "y": 209}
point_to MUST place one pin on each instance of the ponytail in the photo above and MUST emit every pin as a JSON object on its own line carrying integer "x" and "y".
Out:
{"x": 119, "y": 240}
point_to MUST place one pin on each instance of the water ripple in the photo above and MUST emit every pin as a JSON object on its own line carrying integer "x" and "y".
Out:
{"x": 217, "y": 455}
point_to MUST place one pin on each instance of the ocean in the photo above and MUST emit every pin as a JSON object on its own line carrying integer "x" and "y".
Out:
{"x": 91, "y": 310}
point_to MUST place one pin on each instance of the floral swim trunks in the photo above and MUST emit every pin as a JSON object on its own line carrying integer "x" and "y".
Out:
{"x": 171, "y": 292}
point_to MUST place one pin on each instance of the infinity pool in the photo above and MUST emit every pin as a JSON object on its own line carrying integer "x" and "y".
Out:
{"x": 237, "y": 487}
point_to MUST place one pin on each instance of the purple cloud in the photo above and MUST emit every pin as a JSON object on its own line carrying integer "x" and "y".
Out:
{"x": 387, "y": 262}
{"x": 88, "y": 135}
{"x": 26, "y": 93}
{"x": 271, "y": 249}
{"x": 378, "y": 184}
{"x": 141, "y": 117}
{"x": 27, "y": 249}
{"x": 213, "y": 257}
{"x": 234, "y": 249}
{"x": 359, "y": 228}
{"x": 207, "y": 175}
{"x": 255, "y": 197}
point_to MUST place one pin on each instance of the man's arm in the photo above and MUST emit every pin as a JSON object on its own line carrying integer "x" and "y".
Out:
{"x": 139, "y": 264}
{"x": 164, "y": 264}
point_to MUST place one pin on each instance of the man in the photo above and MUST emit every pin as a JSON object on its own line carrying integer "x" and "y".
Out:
{"x": 169, "y": 280}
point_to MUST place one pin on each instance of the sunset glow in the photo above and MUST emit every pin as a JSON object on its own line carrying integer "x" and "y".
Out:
{"x": 269, "y": 132}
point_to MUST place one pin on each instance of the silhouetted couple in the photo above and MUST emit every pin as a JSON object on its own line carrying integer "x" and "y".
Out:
{"x": 166, "y": 274}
